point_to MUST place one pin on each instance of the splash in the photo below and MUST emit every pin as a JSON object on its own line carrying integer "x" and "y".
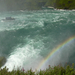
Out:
{"x": 24, "y": 56}
{"x": 62, "y": 45}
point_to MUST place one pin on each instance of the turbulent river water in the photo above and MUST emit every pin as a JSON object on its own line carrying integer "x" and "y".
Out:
{"x": 27, "y": 41}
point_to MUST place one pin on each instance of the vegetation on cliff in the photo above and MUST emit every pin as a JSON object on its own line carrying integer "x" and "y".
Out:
{"x": 35, "y": 4}
{"x": 67, "y": 69}
{"x": 65, "y": 4}
{"x": 56, "y": 70}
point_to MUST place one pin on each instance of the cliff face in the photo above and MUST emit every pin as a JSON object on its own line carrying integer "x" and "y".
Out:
{"x": 35, "y": 4}
{"x": 21, "y": 4}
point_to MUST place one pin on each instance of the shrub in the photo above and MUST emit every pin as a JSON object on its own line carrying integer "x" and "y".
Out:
{"x": 56, "y": 70}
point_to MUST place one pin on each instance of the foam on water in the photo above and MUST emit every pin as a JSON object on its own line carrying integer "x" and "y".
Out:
{"x": 24, "y": 56}
{"x": 33, "y": 35}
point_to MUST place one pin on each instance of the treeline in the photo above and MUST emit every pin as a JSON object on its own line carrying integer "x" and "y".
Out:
{"x": 35, "y": 4}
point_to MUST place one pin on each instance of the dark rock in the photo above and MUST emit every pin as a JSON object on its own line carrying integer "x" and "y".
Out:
{"x": 2, "y": 60}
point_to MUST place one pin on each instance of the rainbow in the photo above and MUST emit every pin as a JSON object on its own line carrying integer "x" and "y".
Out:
{"x": 54, "y": 51}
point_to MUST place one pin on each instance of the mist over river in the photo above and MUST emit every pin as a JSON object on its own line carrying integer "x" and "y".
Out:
{"x": 28, "y": 39}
